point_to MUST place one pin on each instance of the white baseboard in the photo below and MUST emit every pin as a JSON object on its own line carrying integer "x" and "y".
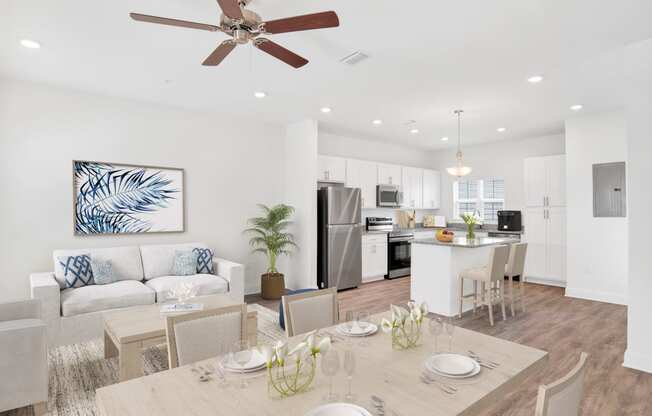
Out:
{"x": 608, "y": 297}
{"x": 638, "y": 361}
{"x": 543, "y": 281}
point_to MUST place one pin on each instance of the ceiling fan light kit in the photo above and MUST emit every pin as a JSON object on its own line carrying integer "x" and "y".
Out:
{"x": 245, "y": 26}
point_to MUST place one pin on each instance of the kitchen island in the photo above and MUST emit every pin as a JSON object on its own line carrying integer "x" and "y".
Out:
{"x": 436, "y": 267}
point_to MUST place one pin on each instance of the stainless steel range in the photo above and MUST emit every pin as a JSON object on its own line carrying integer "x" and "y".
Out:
{"x": 399, "y": 256}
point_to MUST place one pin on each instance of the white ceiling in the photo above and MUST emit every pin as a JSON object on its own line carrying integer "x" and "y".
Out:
{"x": 427, "y": 58}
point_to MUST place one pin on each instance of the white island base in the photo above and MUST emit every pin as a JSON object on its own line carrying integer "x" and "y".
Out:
{"x": 436, "y": 268}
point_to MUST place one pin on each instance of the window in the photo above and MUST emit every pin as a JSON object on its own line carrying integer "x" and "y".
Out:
{"x": 485, "y": 196}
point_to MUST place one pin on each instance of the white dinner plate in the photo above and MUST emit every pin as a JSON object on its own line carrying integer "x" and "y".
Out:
{"x": 356, "y": 331}
{"x": 338, "y": 409}
{"x": 475, "y": 371}
{"x": 257, "y": 362}
{"x": 452, "y": 364}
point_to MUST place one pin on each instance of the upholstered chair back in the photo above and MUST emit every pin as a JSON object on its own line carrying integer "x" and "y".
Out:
{"x": 308, "y": 311}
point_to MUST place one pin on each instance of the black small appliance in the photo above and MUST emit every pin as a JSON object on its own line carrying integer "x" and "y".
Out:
{"x": 509, "y": 221}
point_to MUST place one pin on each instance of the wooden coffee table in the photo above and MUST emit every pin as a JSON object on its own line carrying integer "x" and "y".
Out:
{"x": 127, "y": 332}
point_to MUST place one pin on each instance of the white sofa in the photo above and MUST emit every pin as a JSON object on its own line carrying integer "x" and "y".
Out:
{"x": 144, "y": 276}
{"x": 23, "y": 358}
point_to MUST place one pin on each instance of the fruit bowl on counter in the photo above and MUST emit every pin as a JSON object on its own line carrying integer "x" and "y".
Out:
{"x": 445, "y": 236}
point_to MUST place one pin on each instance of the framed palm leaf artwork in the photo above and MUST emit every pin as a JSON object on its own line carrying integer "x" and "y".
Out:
{"x": 111, "y": 198}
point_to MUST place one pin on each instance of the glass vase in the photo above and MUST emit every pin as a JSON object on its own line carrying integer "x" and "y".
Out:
{"x": 470, "y": 231}
{"x": 406, "y": 336}
{"x": 291, "y": 379}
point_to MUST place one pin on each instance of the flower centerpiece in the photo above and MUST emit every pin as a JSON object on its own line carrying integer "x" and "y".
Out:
{"x": 292, "y": 371}
{"x": 471, "y": 219}
{"x": 405, "y": 325}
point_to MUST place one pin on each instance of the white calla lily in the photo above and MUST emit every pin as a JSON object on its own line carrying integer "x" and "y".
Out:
{"x": 281, "y": 352}
{"x": 386, "y": 326}
{"x": 324, "y": 346}
{"x": 424, "y": 308}
{"x": 268, "y": 355}
{"x": 297, "y": 349}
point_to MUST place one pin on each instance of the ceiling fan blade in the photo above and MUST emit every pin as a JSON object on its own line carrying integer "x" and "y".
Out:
{"x": 231, "y": 8}
{"x": 173, "y": 22}
{"x": 306, "y": 22}
{"x": 220, "y": 53}
{"x": 279, "y": 52}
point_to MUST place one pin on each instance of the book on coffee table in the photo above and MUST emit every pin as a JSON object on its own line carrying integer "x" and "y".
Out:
{"x": 181, "y": 307}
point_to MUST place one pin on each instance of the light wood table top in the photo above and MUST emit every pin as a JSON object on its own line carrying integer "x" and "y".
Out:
{"x": 148, "y": 321}
{"x": 380, "y": 370}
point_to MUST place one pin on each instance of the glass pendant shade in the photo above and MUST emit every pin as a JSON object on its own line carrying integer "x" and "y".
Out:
{"x": 459, "y": 170}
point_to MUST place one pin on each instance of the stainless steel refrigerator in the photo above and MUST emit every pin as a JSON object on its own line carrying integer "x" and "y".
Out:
{"x": 339, "y": 238}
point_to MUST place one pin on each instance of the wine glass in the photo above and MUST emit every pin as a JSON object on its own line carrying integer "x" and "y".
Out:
{"x": 241, "y": 355}
{"x": 330, "y": 365}
{"x": 223, "y": 350}
{"x": 349, "y": 367}
{"x": 350, "y": 318}
{"x": 450, "y": 328}
{"x": 363, "y": 324}
{"x": 435, "y": 325}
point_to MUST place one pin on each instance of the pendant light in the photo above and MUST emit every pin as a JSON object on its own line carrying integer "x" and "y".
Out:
{"x": 459, "y": 170}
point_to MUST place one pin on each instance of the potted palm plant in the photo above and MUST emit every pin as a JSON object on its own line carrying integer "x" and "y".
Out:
{"x": 270, "y": 236}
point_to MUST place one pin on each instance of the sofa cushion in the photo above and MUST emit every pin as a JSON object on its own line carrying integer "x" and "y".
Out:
{"x": 125, "y": 262}
{"x": 206, "y": 284}
{"x": 158, "y": 260}
{"x": 204, "y": 260}
{"x": 95, "y": 298}
{"x": 77, "y": 270}
{"x": 185, "y": 263}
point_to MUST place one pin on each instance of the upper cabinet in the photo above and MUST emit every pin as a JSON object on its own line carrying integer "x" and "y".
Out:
{"x": 364, "y": 175}
{"x": 431, "y": 189}
{"x": 412, "y": 186}
{"x": 545, "y": 181}
{"x": 389, "y": 174}
{"x": 331, "y": 169}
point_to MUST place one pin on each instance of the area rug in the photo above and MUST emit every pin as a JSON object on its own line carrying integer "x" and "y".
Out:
{"x": 76, "y": 371}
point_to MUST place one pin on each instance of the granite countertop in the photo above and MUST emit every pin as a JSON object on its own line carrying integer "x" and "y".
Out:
{"x": 466, "y": 243}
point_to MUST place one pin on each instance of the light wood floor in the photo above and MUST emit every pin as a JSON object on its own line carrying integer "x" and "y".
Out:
{"x": 554, "y": 323}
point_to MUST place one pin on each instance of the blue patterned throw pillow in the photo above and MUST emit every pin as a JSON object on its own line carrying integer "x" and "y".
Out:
{"x": 204, "y": 260}
{"x": 77, "y": 270}
{"x": 102, "y": 272}
{"x": 185, "y": 263}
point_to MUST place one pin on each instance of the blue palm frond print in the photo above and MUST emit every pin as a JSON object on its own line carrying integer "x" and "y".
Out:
{"x": 108, "y": 198}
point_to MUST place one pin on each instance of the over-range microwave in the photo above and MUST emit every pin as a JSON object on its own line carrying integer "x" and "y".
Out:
{"x": 389, "y": 196}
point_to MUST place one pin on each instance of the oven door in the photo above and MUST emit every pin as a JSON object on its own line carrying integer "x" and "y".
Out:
{"x": 399, "y": 258}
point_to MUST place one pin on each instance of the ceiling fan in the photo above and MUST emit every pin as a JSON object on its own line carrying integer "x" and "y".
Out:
{"x": 244, "y": 26}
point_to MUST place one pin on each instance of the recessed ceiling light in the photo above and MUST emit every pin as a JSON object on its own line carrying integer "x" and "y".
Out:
{"x": 535, "y": 79}
{"x": 576, "y": 107}
{"x": 31, "y": 44}
{"x": 501, "y": 129}
{"x": 414, "y": 131}
{"x": 260, "y": 94}
{"x": 444, "y": 139}
{"x": 326, "y": 110}
{"x": 377, "y": 122}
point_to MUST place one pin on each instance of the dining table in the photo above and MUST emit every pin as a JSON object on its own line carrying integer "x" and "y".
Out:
{"x": 393, "y": 377}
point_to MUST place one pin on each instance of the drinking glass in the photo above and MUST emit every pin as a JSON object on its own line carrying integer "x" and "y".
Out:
{"x": 350, "y": 318}
{"x": 435, "y": 325}
{"x": 450, "y": 328}
{"x": 241, "y": 354}
{"x": 363, "y": 324}
{"x": 349, "y": 367}
{"x": 223, "y": 350}
{"x": 330, "y": 365}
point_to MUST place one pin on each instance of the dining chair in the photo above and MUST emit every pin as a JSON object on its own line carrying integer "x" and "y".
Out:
{"x": 563, "y": 397}
{"x": 491, "y": 276}
{"x": 305, "y": 312}
{"x": 197, "y": 336}
{"x": 515, "y": 268}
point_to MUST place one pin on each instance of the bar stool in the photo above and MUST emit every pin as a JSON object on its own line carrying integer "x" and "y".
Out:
{"x": 515, "y": 267}
{"x": 492, "y": 275}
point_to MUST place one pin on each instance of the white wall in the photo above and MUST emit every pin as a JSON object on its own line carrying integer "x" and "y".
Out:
{"x": 301, "y": 193}
{"x": 502, "y": 159}
{"x": 230, "y": 166}
{"x": 596, "y": 247}
{"x": 355, "y": 148}
{"x": 638, "y": 60}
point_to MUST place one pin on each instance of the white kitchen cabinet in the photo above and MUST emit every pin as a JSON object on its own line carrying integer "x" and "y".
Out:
{"x": 545, "y": 181}
{"x": 364, "y": 175}
{"x": 389, "y": 174}
{"x": 545, "y": 233}
{"x": 331, "y": 169}
{"x": 412, "y": 187}
{"x": 431, "y": 189}
{"x": 374, "y": 256}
